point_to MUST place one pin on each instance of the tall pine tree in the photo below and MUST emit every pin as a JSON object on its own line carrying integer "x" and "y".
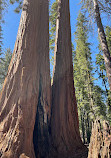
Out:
{"x": 94, "y": 7}
{"x": 82, "y": 75}
{"x": 102, "y": 72}
{"x": 88, "y": 105}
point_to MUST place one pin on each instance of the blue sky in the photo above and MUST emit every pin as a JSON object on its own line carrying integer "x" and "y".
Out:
{"x": 10, "y": 27}
{"x": 12, "y": 22}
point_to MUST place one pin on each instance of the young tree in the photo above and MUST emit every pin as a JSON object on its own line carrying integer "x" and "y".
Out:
{"x": 64, "y": 119}
{"x": 25, "y": 97}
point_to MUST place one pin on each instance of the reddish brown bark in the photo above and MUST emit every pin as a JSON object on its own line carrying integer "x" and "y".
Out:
{"x": 64, "y": 120}
{"x": 26, "y": 92}
{"x": 100, "y": 143}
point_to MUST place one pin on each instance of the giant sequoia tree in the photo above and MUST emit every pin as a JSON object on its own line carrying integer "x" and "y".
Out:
{"x": 64, "y": 120}
{"x": 25, "y": 97}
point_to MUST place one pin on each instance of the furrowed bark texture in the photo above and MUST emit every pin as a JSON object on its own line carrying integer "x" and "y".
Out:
{"x": 64, "y": 118}
{"x": 102, "y": 36}
{"x": 100, "y": 143}
{"x": 25, "y": 98}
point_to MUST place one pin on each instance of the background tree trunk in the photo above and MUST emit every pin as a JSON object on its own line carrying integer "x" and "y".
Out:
{"x": 100, "y": 142}
{"x": 26, "y": 92}
{"x": 64, "y": 120}
{"x": 104, "y": 45}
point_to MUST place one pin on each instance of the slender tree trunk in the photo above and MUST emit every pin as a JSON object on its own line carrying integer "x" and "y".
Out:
{"x": 64, "y": 121}
{"x": 25, "y": 98}
{"x": 82, "y": 125}
{"x": 88, "y": 129}
{"x": 104, "y": 45}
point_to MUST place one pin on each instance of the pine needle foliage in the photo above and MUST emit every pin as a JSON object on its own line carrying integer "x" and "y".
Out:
{"x": 89, "y": 97}
{"x": 52, "y": 20}
{"x": 19, "y": 7}
{"x": 4, "y": 63}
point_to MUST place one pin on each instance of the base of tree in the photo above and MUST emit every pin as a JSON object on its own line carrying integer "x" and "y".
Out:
{"x": 76, "y": 153}
{"x": 100, "y": 143}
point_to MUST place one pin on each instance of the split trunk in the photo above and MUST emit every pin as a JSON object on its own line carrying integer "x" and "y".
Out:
{"x": 64, "y": 119}
{"x": 25, "y": 97}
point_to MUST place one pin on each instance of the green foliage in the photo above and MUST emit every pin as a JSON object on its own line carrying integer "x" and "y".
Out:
{"x": 6, "y": 56}
{"x": 82, "y": 68}
{"x": 19, "y": 7}
{"x": 2, "y": 6}
{"x": 100, "y": 108}
{"x": 4, "y": 63}
{"x": 108, "y": 37}
{"x": 101, "y": 70}
{"x": 104, "y": 6}
{"x": 52, "y": 31}
{"x": 90, "y": 98}
{"x": 52, "y": 20}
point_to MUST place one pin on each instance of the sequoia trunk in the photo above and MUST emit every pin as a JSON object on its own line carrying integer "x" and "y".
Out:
{"x": 64, "y": 118}
{"x": 25, "y": 98}
{"x": 104, "y": 45}
{"x": 100, "y": 142}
